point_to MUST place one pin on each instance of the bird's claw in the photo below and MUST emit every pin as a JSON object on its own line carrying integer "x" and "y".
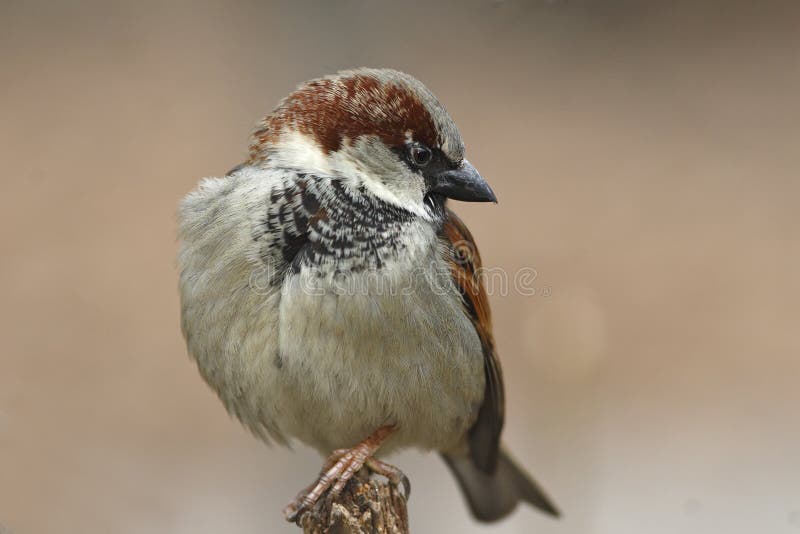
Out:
{"x": 392, "y": 474}
{"x": 340, "y": 467}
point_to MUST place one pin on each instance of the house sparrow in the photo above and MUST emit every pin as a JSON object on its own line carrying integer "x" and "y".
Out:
{"x": 329, "y": 295}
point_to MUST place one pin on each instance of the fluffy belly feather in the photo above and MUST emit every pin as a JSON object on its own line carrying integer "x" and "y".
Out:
{"x": 375, "y": 350}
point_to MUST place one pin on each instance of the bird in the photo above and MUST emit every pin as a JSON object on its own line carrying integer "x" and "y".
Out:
{"x": 330, "y": 295}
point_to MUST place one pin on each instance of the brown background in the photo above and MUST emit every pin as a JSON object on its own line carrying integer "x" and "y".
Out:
{"x": 646, "y": 160}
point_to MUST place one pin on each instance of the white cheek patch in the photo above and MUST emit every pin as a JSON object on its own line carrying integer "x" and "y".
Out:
{"x": 374, "y": 166}
{"x": 411, "y": 199}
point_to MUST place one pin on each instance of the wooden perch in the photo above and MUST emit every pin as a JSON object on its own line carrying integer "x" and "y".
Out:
{"x": 367, "y": 505}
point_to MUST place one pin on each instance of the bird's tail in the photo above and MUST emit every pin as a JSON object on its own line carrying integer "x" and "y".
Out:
{"x": 492, "y": 497}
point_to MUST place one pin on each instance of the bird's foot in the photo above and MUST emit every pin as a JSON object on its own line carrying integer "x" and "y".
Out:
{"x": 392, "y": 473}
{"x": 340, "y": 467}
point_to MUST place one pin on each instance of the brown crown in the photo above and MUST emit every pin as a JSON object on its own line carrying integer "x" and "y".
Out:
{"x": 331, "y": 110}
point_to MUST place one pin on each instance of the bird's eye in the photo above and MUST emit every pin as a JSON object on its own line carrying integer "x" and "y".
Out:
{"x": 420, "y": 155}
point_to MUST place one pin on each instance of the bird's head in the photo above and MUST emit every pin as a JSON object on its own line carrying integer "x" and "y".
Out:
{"x": 377, "y": 128}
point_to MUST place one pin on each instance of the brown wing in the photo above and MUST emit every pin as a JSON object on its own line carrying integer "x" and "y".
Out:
{"x": 465, "y": 265}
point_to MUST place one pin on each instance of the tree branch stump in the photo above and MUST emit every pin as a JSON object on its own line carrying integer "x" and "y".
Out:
{"x": 367, "y": 505}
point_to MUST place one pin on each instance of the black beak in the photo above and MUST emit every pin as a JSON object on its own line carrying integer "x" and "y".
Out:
{"x": 463, "y": 183}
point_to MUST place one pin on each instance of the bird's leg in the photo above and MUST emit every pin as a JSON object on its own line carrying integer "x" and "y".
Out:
{"x": 340, "y": 467}
{"x": 295, "y": 505}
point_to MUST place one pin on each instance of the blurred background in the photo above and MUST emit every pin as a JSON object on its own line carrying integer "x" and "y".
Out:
{"x": 646, "y": 159}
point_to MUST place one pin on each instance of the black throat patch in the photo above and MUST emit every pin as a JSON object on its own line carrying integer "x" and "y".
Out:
{"x": 320, "y": 223}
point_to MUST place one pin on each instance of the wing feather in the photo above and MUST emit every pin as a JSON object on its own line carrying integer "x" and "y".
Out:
{"x": 465, "y": 266}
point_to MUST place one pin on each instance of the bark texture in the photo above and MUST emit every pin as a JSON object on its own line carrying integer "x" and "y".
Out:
{"x": 367, "y": 505}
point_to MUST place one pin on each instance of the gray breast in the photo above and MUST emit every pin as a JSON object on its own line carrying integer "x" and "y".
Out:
{"x": 363, "y": 348}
